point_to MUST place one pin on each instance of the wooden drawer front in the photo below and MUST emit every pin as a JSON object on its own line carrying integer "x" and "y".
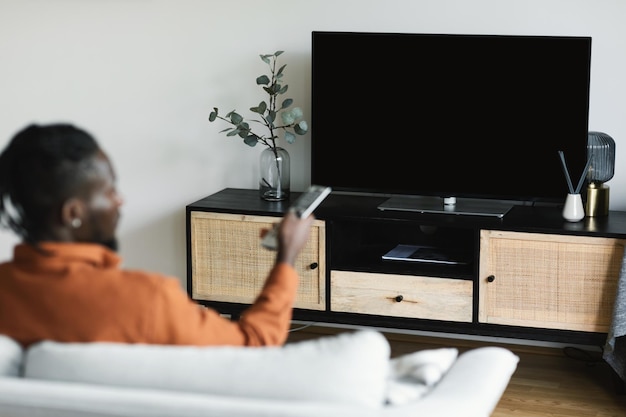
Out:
{"x": 548, "y": 281}
{"x": 229, "y": 264}
{"x": 422, "y": 297}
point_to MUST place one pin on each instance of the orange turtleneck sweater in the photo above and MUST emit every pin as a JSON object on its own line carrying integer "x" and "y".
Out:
{"x": 78, "y": 293}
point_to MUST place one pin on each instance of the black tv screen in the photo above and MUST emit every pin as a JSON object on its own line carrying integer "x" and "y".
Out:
{"x": 449, "y": 115}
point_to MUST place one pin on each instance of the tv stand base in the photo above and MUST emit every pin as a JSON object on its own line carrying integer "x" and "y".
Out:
{"x": 436, "y": 205}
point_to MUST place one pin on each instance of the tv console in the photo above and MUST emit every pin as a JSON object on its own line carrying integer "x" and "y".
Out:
{"x": 527, "y": 275}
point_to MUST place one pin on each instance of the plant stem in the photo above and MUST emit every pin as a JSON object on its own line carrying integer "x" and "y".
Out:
{"x": 273, "y": 107}
{"x": 279, "y": 188}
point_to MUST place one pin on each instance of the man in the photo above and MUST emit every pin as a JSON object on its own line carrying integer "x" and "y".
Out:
{"x": 64, "y": 283}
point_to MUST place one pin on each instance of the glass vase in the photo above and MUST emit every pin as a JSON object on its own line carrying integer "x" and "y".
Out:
{"x": 274, "y": 174}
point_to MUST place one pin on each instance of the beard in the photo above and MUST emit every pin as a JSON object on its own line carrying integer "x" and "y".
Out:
{"x": 111, "y": 244}
{"x": 102, "y": 236}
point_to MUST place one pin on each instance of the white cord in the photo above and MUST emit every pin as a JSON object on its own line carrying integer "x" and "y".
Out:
{"x": 302, "y": 327}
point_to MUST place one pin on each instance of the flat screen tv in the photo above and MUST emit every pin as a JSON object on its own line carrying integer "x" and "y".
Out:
{"x": 420, "y": 116}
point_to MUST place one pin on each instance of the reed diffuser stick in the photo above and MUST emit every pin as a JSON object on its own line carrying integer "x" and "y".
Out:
{"x": 584, "y": 174}
{"x": 567, "y": 177}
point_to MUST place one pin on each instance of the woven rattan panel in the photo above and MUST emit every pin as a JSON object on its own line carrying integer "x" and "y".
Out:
{"x": 548, "y": 281}
{"x": 229, "y": 264}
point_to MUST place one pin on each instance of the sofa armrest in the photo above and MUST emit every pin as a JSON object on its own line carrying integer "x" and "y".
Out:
{"x": 35, "y": 398}
{"x": 471, "y": 388}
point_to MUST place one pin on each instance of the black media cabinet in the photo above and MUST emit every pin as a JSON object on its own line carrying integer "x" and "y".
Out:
{"x": 530, "y": 275}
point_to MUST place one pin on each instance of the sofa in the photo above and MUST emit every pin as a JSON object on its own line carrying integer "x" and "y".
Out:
{"x": 348, "y": 374}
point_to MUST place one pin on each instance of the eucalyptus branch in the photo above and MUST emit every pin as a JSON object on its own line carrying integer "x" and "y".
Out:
{"x": 292, "y": 119}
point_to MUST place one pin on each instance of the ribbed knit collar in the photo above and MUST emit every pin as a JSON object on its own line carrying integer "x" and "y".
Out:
{"x": 55, "y": 254}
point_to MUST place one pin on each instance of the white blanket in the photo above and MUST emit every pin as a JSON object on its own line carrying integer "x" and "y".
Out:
{"x": 411, "y": 376}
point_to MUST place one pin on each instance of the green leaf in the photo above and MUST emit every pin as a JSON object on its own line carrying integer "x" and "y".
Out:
{"x": 235, "y": 118}
{"x": 260, "y": 109}
{"x": 271, "y": 116}
{"x": 266, "y": 58}
{"x": 287, "y": 118}
{"x": 262, "y": 80}
{"x": 279, "y": 73}
{"x": 286, "y": 103}
{"x": 277, "y": 53}
{"x": 212, "y": 116}
{"x": 297, "y": 112}
{"x": 301, "y": 128}
{"x": 290, "y": 137}
{"x": 274, "y": 88}
{"x": 283, "y": 90}
{"x": 250, "y": 140}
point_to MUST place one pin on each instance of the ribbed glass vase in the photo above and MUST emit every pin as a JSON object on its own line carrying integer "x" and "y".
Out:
{"x": 274, "y": 180}
{"x": 601, "y": 151}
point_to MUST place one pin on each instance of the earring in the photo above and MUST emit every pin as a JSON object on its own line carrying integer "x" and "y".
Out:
{"x": 76, "y": 223}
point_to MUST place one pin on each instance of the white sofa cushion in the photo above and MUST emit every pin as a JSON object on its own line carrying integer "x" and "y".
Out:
{"x": 349, "y": 368}
{"x": 11, "y": 356}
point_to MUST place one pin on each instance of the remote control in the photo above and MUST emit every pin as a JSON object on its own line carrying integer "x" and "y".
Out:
{"x": 304, "y": 205}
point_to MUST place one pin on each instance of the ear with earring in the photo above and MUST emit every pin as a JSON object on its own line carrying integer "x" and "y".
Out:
{"x": 71, "y": 212}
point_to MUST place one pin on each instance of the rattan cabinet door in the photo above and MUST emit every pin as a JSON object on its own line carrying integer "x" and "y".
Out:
{"x": 548, "y": 281}
{"x": 229, "y": 264}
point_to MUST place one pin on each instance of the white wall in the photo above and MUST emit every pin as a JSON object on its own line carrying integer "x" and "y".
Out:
{"x": 143, "y": 75}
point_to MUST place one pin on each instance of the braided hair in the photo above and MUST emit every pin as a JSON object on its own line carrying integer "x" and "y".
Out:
{"x": 42, "y": 166}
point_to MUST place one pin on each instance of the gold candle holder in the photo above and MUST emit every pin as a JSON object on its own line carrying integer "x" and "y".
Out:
{"x": 597, "y": 204}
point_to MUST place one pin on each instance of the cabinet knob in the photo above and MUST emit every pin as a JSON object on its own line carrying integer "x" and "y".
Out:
{"x": 314, "y": 265}
{"x": 399, "y": 298}
{"x": 491, "y": 278}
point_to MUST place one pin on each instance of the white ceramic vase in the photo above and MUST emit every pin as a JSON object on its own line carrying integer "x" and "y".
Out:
{"x": 573, "y": 209}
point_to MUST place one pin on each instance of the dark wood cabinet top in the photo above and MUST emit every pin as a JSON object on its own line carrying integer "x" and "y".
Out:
{"x": 345, "y": 207}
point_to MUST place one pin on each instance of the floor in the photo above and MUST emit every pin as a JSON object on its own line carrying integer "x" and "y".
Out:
{"x": 553, "y": 382}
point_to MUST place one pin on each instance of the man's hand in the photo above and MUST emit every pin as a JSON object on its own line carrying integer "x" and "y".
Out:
{"x": 293, "y": 233}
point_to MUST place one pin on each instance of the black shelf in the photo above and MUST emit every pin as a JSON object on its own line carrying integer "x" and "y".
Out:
{"x": 359, "y": 245}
